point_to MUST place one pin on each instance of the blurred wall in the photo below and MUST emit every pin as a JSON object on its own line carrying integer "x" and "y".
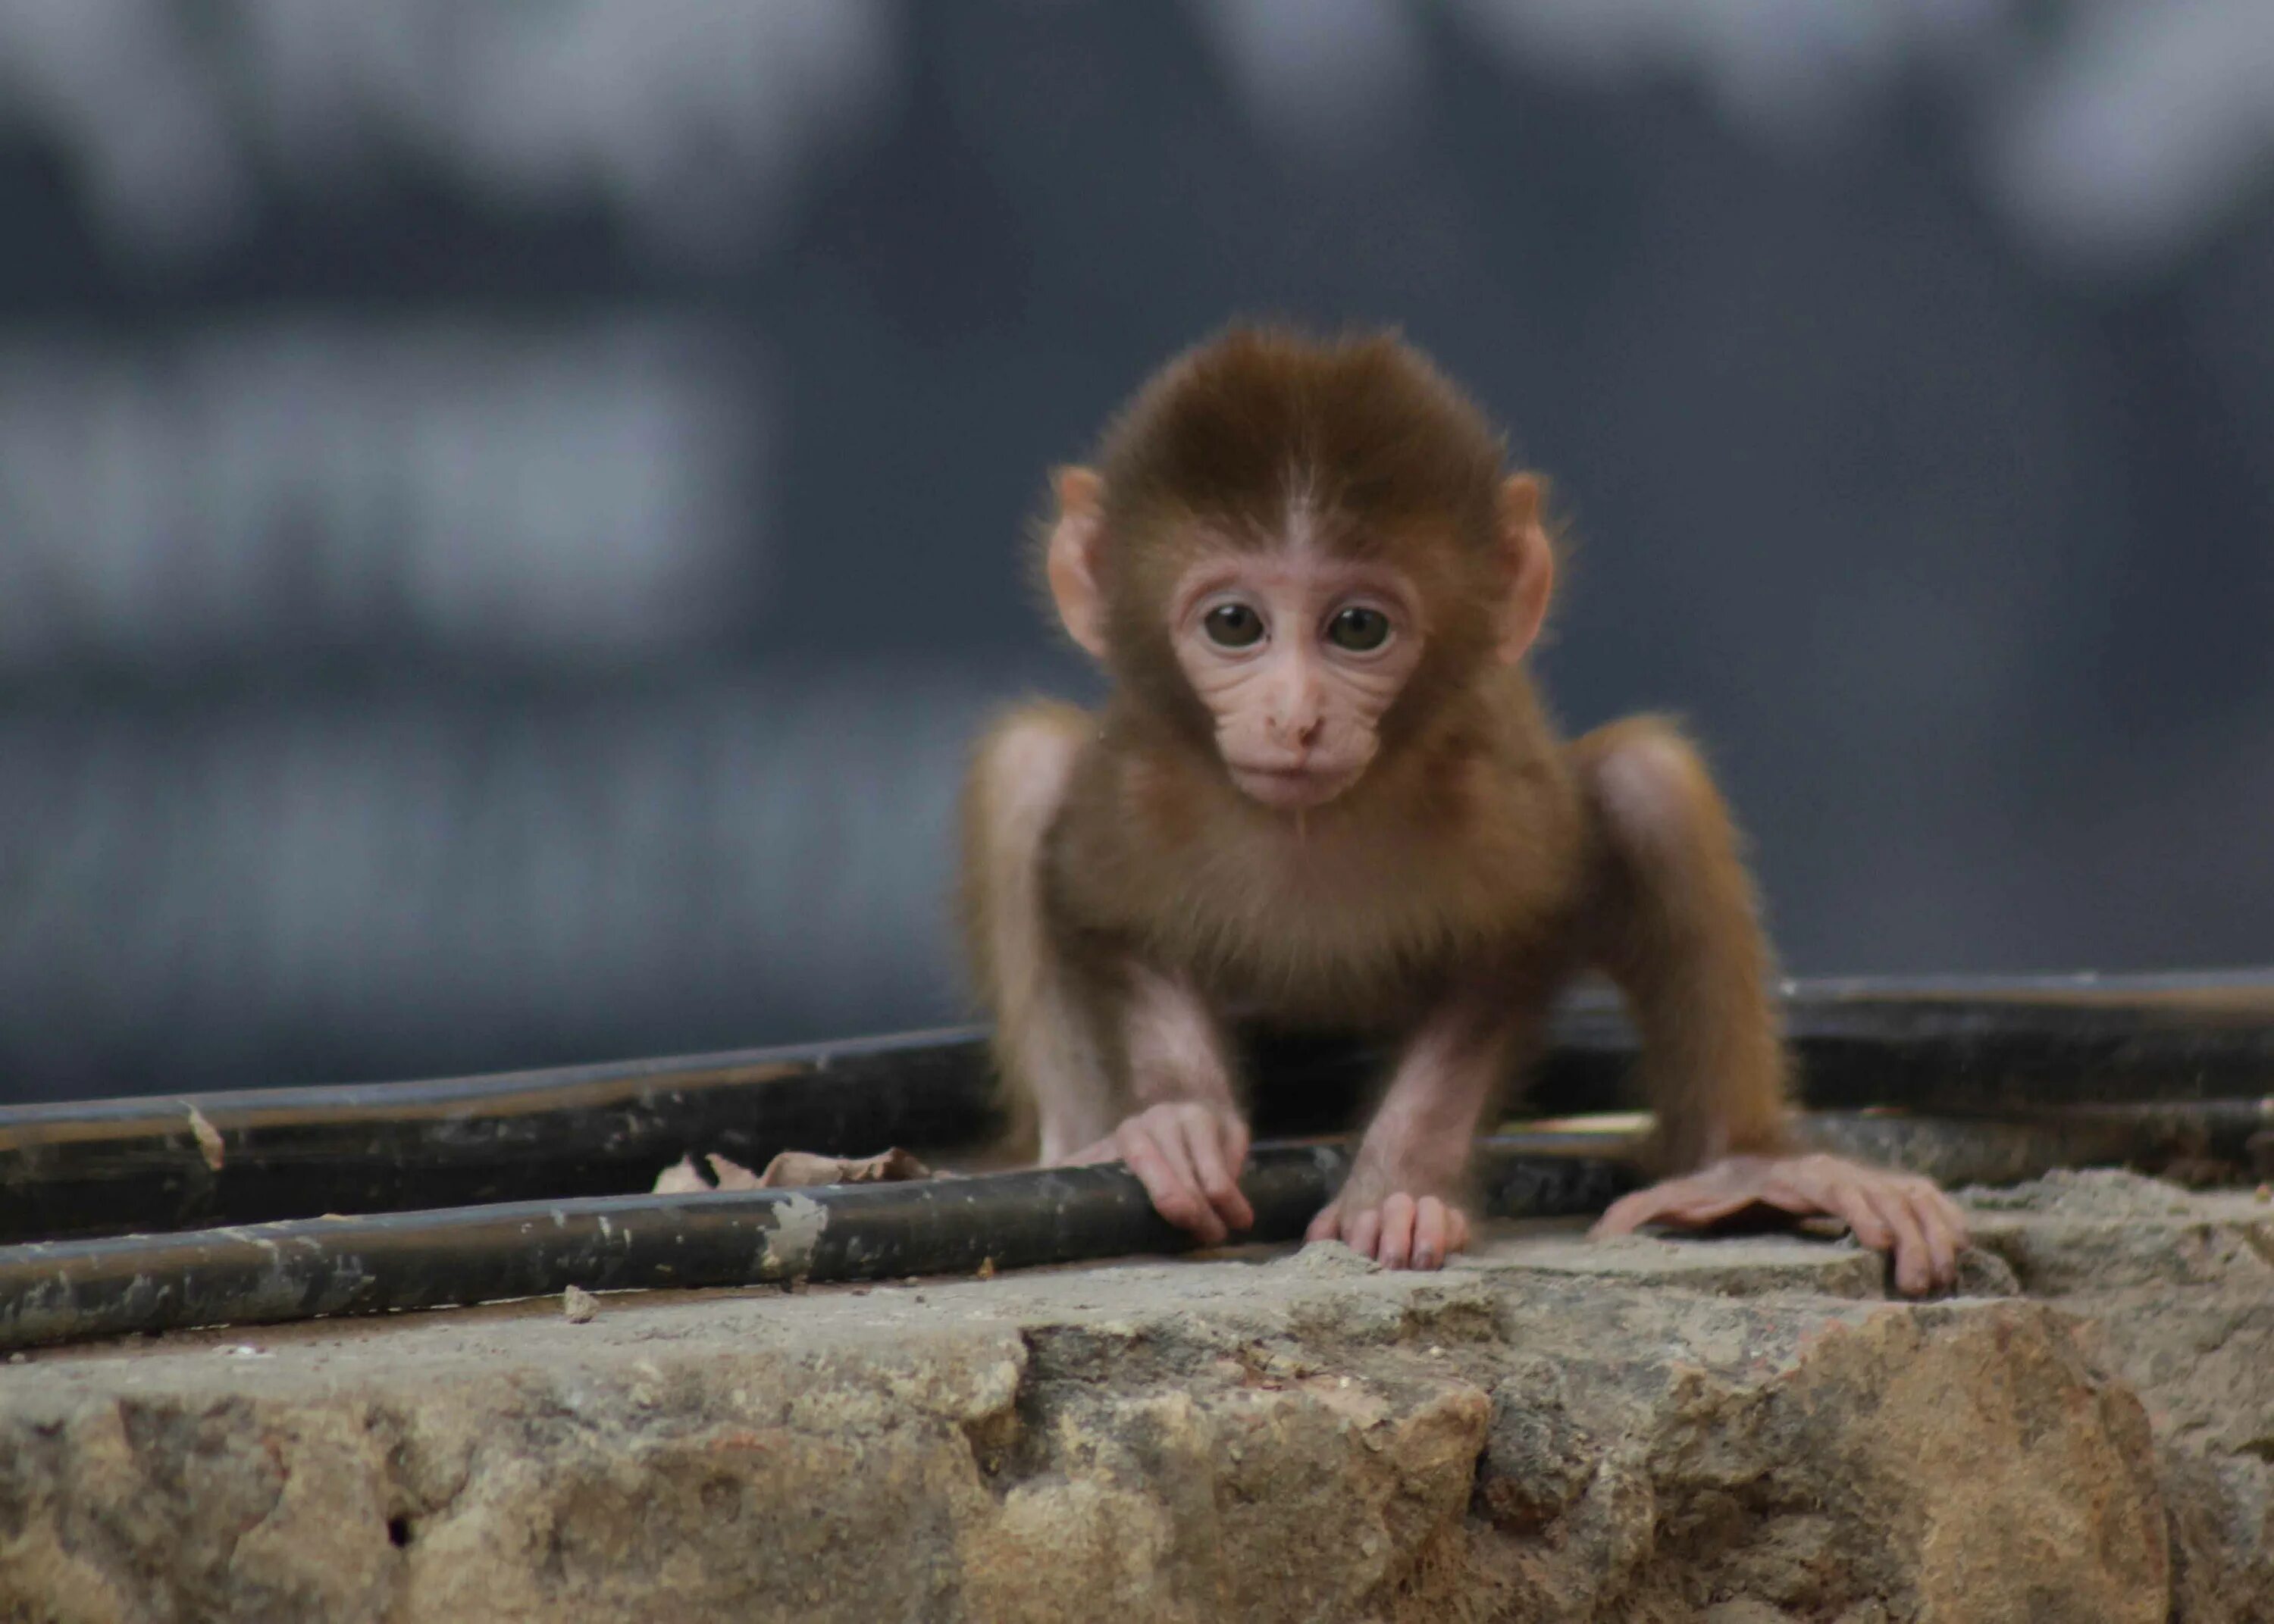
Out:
{"x": 509, "y": 514}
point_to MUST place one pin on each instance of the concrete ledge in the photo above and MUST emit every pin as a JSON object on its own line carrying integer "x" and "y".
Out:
{"x": 1738, "y": 1431}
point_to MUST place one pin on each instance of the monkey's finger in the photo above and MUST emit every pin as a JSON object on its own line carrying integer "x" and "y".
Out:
{"x": 1185, "y": 1133}
{"x": 1459, "y": 1239}
{"x": 1953, "y": 1215}
{"x": 1217, "y": 1182}
{"x": 1699, "y": 1207}
{"x": 1326, "y": 1226}
{"x": 1630, "y": 1213}
{"x": 1807, "y": 1185}
{"x": 1688, "y": 1201}
{"x": 1914, "y": 1264}
{"x": 1176, "y": 1197}
{"x": 1844, "y": 1200}
{"x": 1934, "y": 1256}
{"x": 1164, "y": 1126}
{"x": 1396, "y": 1248}
{"x": 1941, "y": 1245}
{"x": 1432, "y": 1232}
{"x": 1235, "y": 1142}
{"x": 1363, "y": 1232}
{"x": 1902, "y": 1249}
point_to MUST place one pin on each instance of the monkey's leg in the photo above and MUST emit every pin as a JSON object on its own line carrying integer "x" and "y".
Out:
{"x": 1045, "y": 1039}
{"x": 1675, "y": 925}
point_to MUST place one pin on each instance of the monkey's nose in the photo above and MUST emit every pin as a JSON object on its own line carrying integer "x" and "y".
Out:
{"x": 1298, "y": 731}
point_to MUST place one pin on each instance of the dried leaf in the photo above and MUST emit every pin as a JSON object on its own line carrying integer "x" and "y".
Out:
{"x": 578, "y": 1306}
{"x": 794, "y": 1170}
{"x": 681, "y": 1178}
{"x": 733, "y": 1175}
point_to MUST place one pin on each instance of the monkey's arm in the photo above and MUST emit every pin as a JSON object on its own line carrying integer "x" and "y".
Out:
{"x": 1185, "y": 1137}
{"x": 1401, "y": 1204}
{"x": 1068, "y": 1034}
{"x": 1675, "y": 928}
{"x": 1045, "y": 1038}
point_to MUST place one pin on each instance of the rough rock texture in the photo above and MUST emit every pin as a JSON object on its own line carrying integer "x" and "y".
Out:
{"x": 1734, "y": 1431}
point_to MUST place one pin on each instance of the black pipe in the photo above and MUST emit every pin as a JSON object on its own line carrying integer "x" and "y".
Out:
{"x": 2225, "y": 1135}
{"x": 70, "y": 1291}
{"x": 1950, "y": 1047}
{"x": 1967, "y": 1045}
{"x": 253, "y": 1155}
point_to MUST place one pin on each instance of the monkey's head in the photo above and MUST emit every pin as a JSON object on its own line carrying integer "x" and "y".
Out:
{"x": 1295, "y": 552}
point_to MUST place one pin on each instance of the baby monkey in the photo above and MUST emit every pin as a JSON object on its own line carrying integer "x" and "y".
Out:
{"x": 1322, "y": 794}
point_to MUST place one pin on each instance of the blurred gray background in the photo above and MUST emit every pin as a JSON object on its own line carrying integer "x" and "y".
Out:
{"x": 508, "y": 513}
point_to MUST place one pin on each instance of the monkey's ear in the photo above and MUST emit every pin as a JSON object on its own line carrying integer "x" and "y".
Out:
{"x": 1072, "y": 562}
{"x": 1531, "y": 565}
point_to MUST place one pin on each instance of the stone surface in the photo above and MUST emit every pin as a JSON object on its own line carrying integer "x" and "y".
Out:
{"x": 1739, "y": 1430}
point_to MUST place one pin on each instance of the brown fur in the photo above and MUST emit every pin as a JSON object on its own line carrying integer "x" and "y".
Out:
{"x": 1479, "y": 852}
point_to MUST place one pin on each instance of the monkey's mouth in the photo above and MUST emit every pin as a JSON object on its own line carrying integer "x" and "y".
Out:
{"x": 1291, "y": 789}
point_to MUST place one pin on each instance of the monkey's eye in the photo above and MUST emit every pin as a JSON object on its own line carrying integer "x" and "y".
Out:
{"x": 1233, "y": 626}
{"x": 1359, "y": 630}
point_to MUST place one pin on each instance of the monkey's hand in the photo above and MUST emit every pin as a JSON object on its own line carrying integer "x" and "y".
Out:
{"x": 1898, "y": 1213}
{"x": 1189, "y": 1155}
{"x": 1397, "y": 1211}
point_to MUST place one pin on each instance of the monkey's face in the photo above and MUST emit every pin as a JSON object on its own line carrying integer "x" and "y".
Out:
{"x": 1296, "y": 655}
